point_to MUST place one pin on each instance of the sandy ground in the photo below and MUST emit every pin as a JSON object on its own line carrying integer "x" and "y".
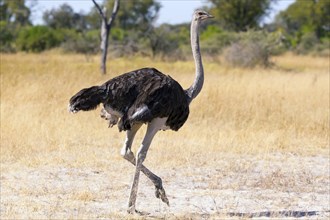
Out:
{"x": 235, "y": 186}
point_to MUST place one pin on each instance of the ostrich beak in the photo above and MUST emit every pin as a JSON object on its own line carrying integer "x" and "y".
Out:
{"x": 207, "y": 16}
{"x": 210, "y": 16}
{"x": 71, "y": 109}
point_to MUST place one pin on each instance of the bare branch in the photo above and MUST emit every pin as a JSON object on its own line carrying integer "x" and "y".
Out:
{"x": 100, "y": 10}
{"x": 105, "y": 30}
{"x": 114, "y": 12}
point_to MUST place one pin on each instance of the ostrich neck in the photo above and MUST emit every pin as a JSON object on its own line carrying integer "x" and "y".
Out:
{"x": 196, "y": 87}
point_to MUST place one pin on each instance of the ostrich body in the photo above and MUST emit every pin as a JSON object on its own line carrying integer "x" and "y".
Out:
{"x": 145, "y": 96}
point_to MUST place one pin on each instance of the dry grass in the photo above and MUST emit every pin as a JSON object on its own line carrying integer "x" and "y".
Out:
{"x": 240, "y": 111}
{"x": 257, "y": 112}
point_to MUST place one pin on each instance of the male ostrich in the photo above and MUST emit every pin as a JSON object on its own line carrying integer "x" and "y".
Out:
{"x": 145, "y": 96}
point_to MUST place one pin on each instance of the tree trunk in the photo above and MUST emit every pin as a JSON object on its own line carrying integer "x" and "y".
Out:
{"x": 104, "y": 45}
{"x": 105, "y": 31}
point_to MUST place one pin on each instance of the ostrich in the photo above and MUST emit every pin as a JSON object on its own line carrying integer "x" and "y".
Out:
{"x": 145, "y": 96}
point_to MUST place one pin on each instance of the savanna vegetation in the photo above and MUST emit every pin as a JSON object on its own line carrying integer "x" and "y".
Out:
{"x": 263, "y": 131}
{"x": 303, "y": 28}
{"x": 244, "y": 111}
{"x": 256, "y": 143}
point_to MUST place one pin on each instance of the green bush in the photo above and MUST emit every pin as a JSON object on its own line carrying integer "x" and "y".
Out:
{"x": 164, "y": 43}
{"x": 38, "y": 38}
{"x": 323, "y": 48}
{"x": 117, "y": 34}
{"x": 214, "y": 40}
{"x": 86, "y": 43}
{"x": 307, "y": 44}
{"x": 7, "y": 37}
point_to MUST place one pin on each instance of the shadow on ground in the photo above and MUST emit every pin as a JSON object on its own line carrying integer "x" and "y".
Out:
{"x": 244, "y": 215}
{"x": 295, "y": 214}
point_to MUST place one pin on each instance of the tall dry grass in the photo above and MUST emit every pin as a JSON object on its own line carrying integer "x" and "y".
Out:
{"x": 257, "y": 111}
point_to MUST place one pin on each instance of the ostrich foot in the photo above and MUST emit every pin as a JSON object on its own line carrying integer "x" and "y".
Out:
{"x": 132, "y": 211}
{"x": 160, "y": 194}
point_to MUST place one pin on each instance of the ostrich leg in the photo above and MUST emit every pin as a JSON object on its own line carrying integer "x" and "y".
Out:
{"x": 129, "y": 156}
{"x": 153, "y": 127}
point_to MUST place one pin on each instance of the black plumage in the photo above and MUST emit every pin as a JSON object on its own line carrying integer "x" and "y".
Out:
{"x": 139, "y": 96}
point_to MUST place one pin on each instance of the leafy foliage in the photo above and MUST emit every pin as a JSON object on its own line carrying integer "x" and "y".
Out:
{"x": 214, "y": 40}
{"x": 235, "y": 31}
{"x": 38, "y": 38}
{"x": 6, "y": 37}
{"x": 64, "y": 17}
{"x": 85, "y": 43}
{"x": 13, "y": 16}
{"x": 138, "y": 15}
{"x": 164, "y": 42}
{"x": 14, "y": 12}
{"x": 306, "y": 23}
{"x": 239, "y": 15}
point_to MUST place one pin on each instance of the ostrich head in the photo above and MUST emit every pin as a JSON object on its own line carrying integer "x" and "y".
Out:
{"x": 200, "y": 15}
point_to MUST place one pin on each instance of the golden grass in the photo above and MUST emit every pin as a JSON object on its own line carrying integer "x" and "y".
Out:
{"x": 257, "y": 111}
{"x": 63, "y": 166}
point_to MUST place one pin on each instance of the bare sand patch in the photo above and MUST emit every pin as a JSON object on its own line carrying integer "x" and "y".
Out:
{"x": 236, "y": 186}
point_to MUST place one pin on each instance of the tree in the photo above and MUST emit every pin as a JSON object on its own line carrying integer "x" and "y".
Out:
{"x": 15, "y": 12}
{"x": 38, "y": 38}
{"x": 64, "y": 17}
{"x": 6, "y": 37}
{"x": 105, "y": 30}
{"x": 308, "y": 16}
{"x": 136, "y": 15}
{"x": 13, "y": 16}
{"x": 163, "y": 42}
{"x": 133, "y": 15}
{"x": 239, "y": 15}
{"x": 135, "y": 18}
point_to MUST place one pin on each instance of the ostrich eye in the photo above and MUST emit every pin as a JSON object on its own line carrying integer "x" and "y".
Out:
{"x": 200, "y": 13}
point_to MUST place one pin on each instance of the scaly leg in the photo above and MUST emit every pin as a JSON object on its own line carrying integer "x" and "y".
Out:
{"x": 153, "y": 127}
{"x": 128, "y": 155}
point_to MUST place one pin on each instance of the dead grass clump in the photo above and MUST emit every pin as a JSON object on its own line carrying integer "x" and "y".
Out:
{"x": 84, "y": 196}
{"x": 283, "y": 181}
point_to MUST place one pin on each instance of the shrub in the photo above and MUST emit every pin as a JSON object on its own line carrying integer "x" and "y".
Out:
{"x": 86, "y": 43}
{"x": 247, "y": 54}
{"x": 323, "y": 48}
{"x": 38, "y": 38}
{"x": 124, "y": 43}
{"x": 253, "y": 48}
{"x": 307, "y": 42}
{"x": 6, "y": 37}
{"x": 214, "y": 40}
{"x": 164, "y": 43}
